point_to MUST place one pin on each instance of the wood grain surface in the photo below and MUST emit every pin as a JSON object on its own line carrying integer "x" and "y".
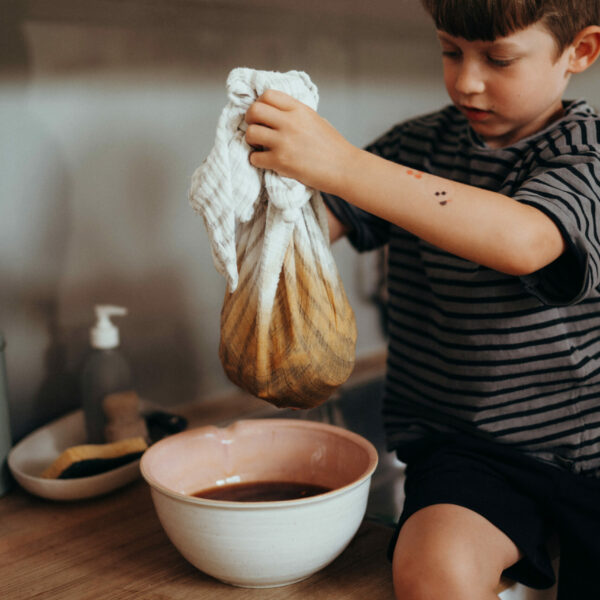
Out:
{"x": 113, "y": 547}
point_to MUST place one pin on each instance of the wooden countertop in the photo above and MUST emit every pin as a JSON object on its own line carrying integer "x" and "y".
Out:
{"x": 114, "y": 547}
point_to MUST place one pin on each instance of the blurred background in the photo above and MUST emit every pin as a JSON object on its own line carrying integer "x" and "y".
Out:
{"x": 106, "y": 109}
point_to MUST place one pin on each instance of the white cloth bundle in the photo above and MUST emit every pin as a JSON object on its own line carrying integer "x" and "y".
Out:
{"x": 226, "y": 187}
{"x": 266, "y": 225}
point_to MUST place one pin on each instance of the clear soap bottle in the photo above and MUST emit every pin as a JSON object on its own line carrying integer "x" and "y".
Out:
{"x": 104, "y": 372}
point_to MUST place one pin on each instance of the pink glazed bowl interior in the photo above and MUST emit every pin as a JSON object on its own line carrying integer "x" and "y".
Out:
{"x": 261, "y": 544}
{"x": 259, "y": 450}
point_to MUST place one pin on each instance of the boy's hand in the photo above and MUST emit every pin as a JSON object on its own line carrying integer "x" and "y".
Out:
{"x": 296, "y": 142}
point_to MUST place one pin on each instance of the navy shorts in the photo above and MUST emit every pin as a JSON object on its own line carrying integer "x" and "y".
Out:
{"x": 530, "y": 501}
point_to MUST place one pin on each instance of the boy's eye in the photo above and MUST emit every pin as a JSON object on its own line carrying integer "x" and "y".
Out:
{"x": 500, "y": 62}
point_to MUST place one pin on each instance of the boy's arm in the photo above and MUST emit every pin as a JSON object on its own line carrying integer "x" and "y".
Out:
{"x": 337, "y": 229}
{"x": 481, "y": 226}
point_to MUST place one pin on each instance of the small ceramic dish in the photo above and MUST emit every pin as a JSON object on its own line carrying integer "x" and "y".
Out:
{"x": 28, "y": 459}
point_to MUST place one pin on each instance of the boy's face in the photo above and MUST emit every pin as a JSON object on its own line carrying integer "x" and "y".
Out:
{"x": 508, "y": 88}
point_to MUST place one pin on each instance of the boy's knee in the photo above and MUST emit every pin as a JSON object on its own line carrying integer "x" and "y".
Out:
{"x": 442, "y": 576}
{"x": 448, "y": 551}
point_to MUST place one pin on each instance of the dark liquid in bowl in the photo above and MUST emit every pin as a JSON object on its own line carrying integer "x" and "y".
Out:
{"x": 262, "y": 491}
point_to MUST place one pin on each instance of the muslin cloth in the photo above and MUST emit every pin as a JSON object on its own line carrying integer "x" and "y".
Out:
{"x": 287, "y": 330}
{"x": 226, "y": 187}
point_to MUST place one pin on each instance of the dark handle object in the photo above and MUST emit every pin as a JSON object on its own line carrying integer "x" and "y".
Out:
{"x": 161, "y": 424}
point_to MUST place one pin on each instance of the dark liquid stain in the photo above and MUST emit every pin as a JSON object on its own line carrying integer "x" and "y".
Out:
{"x": 262, "y": 491}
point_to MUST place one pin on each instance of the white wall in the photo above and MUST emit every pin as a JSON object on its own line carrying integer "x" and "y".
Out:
{"x": 101, "y": 128}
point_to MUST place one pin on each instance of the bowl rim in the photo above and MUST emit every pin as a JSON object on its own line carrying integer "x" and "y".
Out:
{"x": 282, "y": 422}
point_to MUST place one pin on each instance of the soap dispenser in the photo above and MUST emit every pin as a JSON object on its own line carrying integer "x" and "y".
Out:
{"x": 104, "y": 372}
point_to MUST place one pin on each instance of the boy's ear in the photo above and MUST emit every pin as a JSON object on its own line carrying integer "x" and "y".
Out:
{"x": 584, "y": 49}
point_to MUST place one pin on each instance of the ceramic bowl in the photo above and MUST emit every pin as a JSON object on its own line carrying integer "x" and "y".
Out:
{"x": 261, "y": 544}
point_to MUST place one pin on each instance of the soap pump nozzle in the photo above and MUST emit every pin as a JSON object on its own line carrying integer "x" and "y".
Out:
{"x": 104, "y": 335}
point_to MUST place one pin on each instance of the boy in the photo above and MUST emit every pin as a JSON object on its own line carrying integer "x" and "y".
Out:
{"x": 491, "y": 209}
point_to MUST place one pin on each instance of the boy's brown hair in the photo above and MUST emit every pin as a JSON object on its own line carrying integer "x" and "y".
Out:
{"x": 490, "y": 19}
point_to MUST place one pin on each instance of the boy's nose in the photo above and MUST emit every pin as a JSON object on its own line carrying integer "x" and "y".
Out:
{"x": 469, "y": 80}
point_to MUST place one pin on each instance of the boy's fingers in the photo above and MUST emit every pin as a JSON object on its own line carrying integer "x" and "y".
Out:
{"x": 260, "y": 136}
{"x": 260, "y": 159}
{"x": 263, "y": 114}
{"x": 278, "y": 99}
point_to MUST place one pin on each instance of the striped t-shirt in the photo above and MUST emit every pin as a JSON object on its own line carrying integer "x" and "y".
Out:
{"x": 515, "y": 359}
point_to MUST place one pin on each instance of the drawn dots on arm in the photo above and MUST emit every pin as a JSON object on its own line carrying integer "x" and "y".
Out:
{"x": 442, "y": 198}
